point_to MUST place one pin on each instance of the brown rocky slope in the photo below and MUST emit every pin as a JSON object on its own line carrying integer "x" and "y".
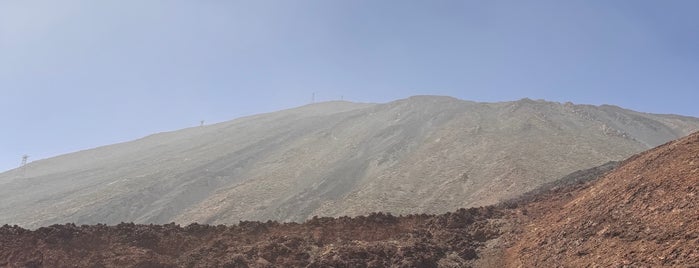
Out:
{"x": 643, "y": 214}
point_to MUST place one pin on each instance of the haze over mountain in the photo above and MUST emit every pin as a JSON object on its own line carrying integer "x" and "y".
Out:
{"x": 421, "y": 154}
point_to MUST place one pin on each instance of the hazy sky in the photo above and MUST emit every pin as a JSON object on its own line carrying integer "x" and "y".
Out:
{"x": 79, "y": 74}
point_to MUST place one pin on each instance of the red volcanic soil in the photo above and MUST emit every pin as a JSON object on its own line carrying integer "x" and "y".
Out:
{"x": 377, "y": 240}
{"x": 643, "y": 214}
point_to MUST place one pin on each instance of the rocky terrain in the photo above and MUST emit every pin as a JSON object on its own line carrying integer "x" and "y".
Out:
{"x": 638, "y": 213}
{"x": 643, "y": 214}
{"x": 424, "y": 154}
{"x": 377, "y": 240}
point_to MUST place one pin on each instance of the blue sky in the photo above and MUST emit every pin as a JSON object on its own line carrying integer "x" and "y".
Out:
{"x": 80, "y": 74}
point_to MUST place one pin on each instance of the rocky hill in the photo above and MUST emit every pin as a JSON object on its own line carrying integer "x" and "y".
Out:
{"x": 643, "y": 214}
{"x": 421, "y": 154}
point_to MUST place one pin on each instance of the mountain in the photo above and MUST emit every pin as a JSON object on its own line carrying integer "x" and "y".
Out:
{"x": 645, "y": 213}
{"x": 421, "y": 154}
{"x": 641, "y": 212}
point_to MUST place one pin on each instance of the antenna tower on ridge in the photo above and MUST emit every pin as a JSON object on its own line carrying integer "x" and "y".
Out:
{"x": 24, "y": 165}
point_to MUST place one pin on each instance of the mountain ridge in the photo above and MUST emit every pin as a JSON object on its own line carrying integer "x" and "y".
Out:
{"x": 420, "y": 154}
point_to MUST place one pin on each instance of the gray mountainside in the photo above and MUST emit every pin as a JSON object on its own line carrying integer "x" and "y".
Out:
{"x": 424, "y": 154}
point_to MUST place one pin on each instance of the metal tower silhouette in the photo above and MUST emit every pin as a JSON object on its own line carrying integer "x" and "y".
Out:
{"x": 24, "y": 165}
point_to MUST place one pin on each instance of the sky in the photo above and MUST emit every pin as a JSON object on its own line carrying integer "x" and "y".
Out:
{"x": 80, "y": 74}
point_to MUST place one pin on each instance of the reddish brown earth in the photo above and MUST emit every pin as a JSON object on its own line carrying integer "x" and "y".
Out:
{"x": 644, "y": 213}
{"x": 377, "y": 240}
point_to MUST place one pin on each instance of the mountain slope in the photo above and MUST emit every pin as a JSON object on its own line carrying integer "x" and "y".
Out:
{"x": 643, "y": 214}
{"x": 640, "y": 213}
{"x": 422, "y": 154}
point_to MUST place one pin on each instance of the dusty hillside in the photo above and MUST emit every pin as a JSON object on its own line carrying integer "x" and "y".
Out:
{"x": 422, "y": 154}
{"x": 643, "y": 214}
